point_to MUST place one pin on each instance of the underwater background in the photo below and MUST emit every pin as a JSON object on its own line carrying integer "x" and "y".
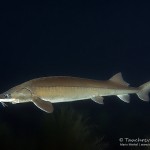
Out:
{"x": 75, "y": 38}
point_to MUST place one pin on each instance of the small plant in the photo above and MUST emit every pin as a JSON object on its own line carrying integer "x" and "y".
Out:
{"x": 69, "y": 130}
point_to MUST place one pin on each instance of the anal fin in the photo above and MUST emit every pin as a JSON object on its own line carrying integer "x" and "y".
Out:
{"x": 98, "y": 99}
{"x": 125, "y": 98}
{"x": 43, "y": 105}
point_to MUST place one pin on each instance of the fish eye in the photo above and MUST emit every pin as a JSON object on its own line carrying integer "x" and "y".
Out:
{"x": 7, "y": 95}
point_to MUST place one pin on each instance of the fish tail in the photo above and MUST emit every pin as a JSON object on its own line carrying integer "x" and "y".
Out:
{"x": 143, "y": 94}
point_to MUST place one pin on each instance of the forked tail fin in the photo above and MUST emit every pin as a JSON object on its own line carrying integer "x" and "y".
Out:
{"x": 143, "y": 93}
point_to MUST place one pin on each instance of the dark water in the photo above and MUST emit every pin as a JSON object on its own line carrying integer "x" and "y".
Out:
{"x": 85, "y": 39}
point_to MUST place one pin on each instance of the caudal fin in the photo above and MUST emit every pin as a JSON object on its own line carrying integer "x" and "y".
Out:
{"x": 143, "y": 93}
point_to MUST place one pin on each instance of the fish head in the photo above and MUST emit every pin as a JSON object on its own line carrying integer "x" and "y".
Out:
{"x": 22, "y": 95}
{"x": 16, "y": 96}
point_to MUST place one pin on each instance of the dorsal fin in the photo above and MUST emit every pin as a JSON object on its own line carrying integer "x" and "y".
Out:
{"x": 117, "y": 78}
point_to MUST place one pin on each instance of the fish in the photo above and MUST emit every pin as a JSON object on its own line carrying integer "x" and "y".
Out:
{"x": 54, "y": 89}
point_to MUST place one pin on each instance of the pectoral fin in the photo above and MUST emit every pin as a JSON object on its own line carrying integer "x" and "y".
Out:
{"x": 43, "y": 105}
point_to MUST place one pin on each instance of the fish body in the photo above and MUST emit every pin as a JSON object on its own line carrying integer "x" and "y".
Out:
{"x": 62, "y": 89}
{"x": 46, "y": 90}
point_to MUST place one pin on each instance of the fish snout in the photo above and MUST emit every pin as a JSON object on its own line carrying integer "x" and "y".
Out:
{"x": 2, "y": 96}
{"x": 6, "y": 97}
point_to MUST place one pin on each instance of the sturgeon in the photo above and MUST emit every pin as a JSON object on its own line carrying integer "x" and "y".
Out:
{"x": 47, "y": 90}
